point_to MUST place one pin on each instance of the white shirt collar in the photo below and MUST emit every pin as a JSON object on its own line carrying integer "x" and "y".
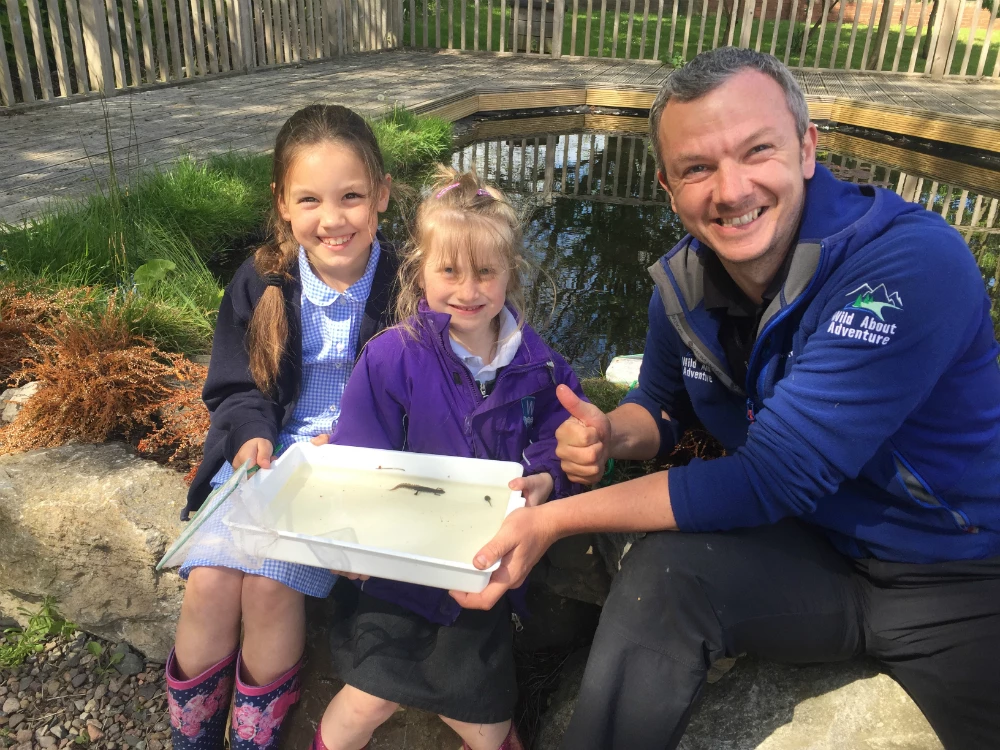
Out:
{"x": 508, "y": 342}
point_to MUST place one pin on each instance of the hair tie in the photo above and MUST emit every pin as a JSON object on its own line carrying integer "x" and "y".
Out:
{"x": 274, "y": 279}
{"x": 441, "y": 192}
{"x": 452, "y": 186}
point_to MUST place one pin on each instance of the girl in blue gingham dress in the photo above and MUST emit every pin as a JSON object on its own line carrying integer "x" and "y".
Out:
{"x": 291, "y": 323}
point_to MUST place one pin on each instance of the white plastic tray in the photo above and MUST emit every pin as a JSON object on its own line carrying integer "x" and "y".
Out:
{"x": 334, "y": 507}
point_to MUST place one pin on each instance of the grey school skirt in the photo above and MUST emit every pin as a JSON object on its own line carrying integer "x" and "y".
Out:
{"x": 464, "y": 671}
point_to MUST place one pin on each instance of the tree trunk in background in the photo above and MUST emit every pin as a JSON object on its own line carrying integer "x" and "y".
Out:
{"x": 925, "y": 47}
{"x": 884, "y": 24}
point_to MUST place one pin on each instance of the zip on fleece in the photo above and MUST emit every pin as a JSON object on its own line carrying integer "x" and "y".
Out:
{"x": 808, "y": 253}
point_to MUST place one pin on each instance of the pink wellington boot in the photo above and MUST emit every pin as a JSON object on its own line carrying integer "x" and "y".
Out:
{"x": 259, "y": 711}
{"x": 199, "y": 706}
{"x": 318, "y": 744}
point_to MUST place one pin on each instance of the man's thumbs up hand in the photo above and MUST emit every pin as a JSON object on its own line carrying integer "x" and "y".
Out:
{"x": 582, "y": 439}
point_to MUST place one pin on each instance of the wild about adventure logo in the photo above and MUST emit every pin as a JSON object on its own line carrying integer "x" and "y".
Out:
{"x": 872, "y": 328}
{"x": 875, "y": 300}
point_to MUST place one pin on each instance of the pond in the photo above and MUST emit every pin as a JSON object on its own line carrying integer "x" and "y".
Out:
{"x": 597, "y": 217}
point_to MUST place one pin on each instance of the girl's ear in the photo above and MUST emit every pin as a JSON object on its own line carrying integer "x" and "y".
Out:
{"x": 283, "y": 211}
{"x": 383, "y": 193}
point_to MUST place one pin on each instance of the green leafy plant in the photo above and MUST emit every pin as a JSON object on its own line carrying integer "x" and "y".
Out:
{"x": 149, "y": 273}
{"x": 20, "y": 643}
{"x": 106, "y": 661}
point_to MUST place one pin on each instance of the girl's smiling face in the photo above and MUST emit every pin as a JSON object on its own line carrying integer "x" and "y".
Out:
{"x": 470, "y": 289}
{"x": 328, "y": 203}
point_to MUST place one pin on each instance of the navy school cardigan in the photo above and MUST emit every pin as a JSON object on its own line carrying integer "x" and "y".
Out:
{"x": 239, "y": 410}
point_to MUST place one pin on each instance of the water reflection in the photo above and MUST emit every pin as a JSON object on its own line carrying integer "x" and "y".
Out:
{"x": 596, "y": 218}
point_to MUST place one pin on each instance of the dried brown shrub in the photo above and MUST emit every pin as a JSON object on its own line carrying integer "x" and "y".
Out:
{"x": 23, "y": 314}
{"x": 98, "y": 380}
{"x": 183, "y": 420}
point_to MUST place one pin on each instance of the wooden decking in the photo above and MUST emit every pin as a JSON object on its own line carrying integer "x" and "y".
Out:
{"x": 61, "y": 151}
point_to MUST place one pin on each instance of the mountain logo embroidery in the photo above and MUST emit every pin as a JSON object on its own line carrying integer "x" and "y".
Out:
{"x": 528, "y": 410}
{"x": 874, "y": 300}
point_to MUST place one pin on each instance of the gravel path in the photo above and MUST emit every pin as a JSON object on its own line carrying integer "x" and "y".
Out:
{"x": 67, "y": 697}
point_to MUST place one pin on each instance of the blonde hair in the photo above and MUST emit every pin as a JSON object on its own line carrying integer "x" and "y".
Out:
{"x": 462, "y": 215}
{"x": 311, "y": 126}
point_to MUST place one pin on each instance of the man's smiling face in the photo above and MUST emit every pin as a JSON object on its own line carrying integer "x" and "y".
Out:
{"x": 735, "y": 167}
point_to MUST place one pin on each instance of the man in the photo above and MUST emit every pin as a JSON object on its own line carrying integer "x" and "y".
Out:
{"x": 837, "y": 341}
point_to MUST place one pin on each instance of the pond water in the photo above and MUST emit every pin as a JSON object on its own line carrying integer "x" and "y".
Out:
{"x": 598, "y": 218}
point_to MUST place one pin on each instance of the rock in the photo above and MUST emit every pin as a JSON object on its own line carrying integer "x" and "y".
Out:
{"x": 57, "y": 731}
{"x": 47, "y": 741}
{"x": 572, "y": 570}
{"x": 15, "y": 721}
{"x": 94, "y": 733}
{"x": 13, "y": 400}
{"x": 79, "y": 680}
{"x": 23, "y": 735}
{"x": 11, "y": 705}
{"x": 129, "y": 664}
{"x": 100, "y": 691}
{"x": 764, "y": 706}
{"x": 87, "y": 524}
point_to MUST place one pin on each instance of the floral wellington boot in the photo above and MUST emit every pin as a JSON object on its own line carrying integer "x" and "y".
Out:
{"x": 199, "y": 706}
{"x": 259, "y": 711}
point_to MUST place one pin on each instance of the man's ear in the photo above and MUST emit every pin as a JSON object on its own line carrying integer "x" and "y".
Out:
{"x": 807, "y": 154}
{"x": 662, "y": 179}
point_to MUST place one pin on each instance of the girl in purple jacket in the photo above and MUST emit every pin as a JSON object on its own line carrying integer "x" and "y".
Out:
{"x": 462, "y": 375}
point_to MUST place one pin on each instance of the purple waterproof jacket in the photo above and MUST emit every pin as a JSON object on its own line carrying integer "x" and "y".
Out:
{"x": 417, "y": 395}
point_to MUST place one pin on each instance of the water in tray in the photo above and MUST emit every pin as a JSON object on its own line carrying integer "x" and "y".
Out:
{"x": 451, "y": 525}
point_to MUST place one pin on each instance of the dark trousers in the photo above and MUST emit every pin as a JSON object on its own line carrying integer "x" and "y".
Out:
{"x": 783, "y": 593}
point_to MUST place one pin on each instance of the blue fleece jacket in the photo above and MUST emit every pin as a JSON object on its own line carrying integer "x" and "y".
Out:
{"x": 872, "y": 404}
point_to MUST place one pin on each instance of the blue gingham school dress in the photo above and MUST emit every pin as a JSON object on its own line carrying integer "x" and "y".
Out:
{"x": 331, "y": 323}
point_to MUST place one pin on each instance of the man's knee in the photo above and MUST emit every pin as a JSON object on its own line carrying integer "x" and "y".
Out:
{"x": 660, "y": 593}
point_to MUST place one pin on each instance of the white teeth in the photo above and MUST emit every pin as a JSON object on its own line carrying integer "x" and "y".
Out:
{"x": 334, "y": 241}
{"x": 741, "y": 220}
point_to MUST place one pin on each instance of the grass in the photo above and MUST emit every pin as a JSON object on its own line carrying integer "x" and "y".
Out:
{"x": 672, "y": 49}
{"x": 18, "y": 644}
{"x": 148, "y": 243}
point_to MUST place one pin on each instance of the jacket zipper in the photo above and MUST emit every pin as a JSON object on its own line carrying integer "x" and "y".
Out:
{"x": 782, "y": 314}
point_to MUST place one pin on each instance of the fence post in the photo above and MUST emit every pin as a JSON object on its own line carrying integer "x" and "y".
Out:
{"x": 558, "y": 14}
{"x": 96, "y": 41}
{"x": 247, "y": 33}
{"x": 948, "y": 29}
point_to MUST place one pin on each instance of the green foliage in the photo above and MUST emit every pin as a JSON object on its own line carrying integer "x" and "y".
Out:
{"x": 603, "y": 393}
{"x": 105, "y": 661}
{"x": 408, "y": 141}
{"x": 150, "y": 273}
{"x": 46, "y": 623}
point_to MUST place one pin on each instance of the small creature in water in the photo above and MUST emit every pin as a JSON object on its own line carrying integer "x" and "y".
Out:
{"x": 418, "y": 488}
{"x": 487, "y": 499}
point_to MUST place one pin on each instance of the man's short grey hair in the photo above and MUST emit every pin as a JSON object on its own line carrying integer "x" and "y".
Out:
{"x": 711, "y": 69}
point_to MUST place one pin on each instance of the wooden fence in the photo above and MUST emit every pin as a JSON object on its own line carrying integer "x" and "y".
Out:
{"x": 73, "y": 47}
{"x": 50, "y": 49}
{"x": 931, "y": 37}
